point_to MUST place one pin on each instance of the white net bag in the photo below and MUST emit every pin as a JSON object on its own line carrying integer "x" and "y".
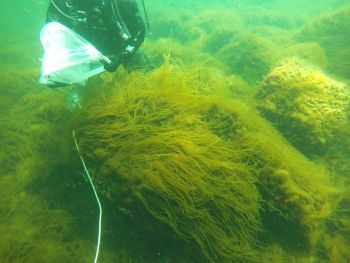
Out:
{"x": 68, "y": 58}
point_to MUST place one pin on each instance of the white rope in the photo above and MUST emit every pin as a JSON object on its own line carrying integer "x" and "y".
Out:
{"x": 97, "y": 199}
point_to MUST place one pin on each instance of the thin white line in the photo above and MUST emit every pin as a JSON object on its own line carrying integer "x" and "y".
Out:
{"x": 98, "y": 200}
{"x": 70, "y": 17}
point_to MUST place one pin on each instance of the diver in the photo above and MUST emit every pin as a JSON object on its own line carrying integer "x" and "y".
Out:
{"x": 114, "y": 27}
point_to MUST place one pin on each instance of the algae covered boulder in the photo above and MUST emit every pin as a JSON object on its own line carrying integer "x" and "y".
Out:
{"x": 309, "y": 51}
{"x": 249, "y": 56}
{"x": 216, "y": 34}
{"x": 332, "y": 32}
{"x": 201, "y": 170}
{"x": 156, "y": 157}
{"x": 307, "y": 106}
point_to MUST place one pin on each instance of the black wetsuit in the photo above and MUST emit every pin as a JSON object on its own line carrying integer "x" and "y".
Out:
{"x": 114, "y": 27}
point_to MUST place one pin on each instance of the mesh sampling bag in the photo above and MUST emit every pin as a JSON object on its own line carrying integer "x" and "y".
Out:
{"x": 68, "y": 58}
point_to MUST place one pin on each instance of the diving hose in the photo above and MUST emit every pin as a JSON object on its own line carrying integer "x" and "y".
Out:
{"x": 64, "y": 14}
{"x": 146, "y": 16}
{"x": 117, "y": 9}
{"x": 119, "y": 19}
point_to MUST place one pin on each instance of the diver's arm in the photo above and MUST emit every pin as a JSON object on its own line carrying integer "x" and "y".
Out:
{"x": 138, "y": 37}
{"x": 116, "y": 61}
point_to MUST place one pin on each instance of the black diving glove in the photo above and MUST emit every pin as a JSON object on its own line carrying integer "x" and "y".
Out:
{"x": 113, "y": 65}
{"x": 116, "y": 61}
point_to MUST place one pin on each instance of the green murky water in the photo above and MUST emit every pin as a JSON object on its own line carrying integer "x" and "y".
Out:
{"x": 233, "y": 147}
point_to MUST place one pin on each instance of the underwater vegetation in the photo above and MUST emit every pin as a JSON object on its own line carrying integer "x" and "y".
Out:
{"x": 251, "y": 56}
{"x": 311, "y": 52}
{"x": 219, "y": 155}
{"x": 305, "y": 102}
{"x": 255, "y": 15}
{"x": 154, "y": 159}
{"x": 37, "y": 224}
{"x": 335, "y": 244}
{"x": 312, "y": 111}
{"x": 20, "y": 210}
{"x": 187, "y": 55}
{"x": 332, "y": 32}
{"x": 202, "y": 169}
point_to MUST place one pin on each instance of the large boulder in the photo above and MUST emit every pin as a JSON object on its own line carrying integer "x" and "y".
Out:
{"x": 307, "y": 106}
{"x": 201, "y": 170}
